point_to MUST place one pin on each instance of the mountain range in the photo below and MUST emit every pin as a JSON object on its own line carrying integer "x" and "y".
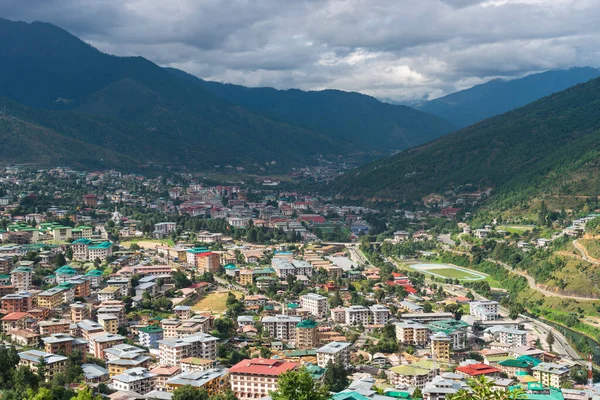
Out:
{"x": 550, "y": 146}
{"x": 498, "y": 96}
{"x": 63, "y": 87}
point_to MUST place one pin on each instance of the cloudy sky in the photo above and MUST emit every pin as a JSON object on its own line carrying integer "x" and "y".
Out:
{"x": 399, "y": 49}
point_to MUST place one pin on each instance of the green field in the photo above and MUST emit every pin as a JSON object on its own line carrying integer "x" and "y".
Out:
{"x": 455, "y": 273}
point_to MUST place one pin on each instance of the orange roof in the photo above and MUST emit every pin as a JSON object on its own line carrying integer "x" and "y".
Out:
{"x": 477, "y": 369}
{"x": 262, "y": 366}
{"x": 15, "y": 316}
{"x": 165, "y": 370}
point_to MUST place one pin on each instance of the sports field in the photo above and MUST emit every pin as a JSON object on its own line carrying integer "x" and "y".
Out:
{"x": 449, "y": 271}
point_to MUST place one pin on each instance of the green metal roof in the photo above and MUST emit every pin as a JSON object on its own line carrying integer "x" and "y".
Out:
{"x": 151, "y": 329}
{"x": 515, "y": 363}
{"x": 82, "y": 241}
{"x": 94, "y": 272}
{"x": 307, "y": 323}
{"x": 103, "y": 245}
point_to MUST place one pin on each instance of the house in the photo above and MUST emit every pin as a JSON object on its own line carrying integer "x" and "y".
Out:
{"x": 163, "y": 374}
{"x": 94, "y": 374}
{"x": 476, "y": 370}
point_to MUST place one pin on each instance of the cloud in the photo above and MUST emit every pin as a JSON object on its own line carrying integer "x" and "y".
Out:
{"x": 399, "y": 49}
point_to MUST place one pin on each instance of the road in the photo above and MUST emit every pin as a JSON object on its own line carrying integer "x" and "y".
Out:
{"x": 584, "y": 254}
{"x": 229, "y": 285}
{"x": 446, "y": 239}
{"x": 535, "y": 286}
{"x": 358, "y": 257}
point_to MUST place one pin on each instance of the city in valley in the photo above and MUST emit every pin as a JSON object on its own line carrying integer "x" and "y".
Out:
{"x": 145, "y": 287}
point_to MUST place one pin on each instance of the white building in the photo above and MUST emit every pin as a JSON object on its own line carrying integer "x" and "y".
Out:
{"x": 138, "y": 380}
{"x": 485, "y": 310}
{"x": 380, "y": 314}
{"x": 200, "y": 345}
{"x": 334, "y": 352}
{"x": 21, "y": 278}
{"x": 284, "y": 267}
{"x": 315, "y": 304}
{"x": 549, "y": 374}
{"x": 282, "y": 327}
{"x": 357, "y": 315}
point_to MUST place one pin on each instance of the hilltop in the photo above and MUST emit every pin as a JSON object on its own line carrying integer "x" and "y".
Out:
{"x": 498, "y": 96}
{"x": 550, "y": 146}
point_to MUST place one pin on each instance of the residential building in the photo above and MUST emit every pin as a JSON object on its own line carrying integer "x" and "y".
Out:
{"x": 476, "y": 370}
{"x": 53, "y": 363}
{"x": 213, "y": 381}
{"x": 163, "y": 374}
{"x": 379, "y": 314}
{"x": 150, "y": 335}
{"x": 456, "y": 331}
{"x": 208, "y": 262}
{"x": 100, "y": 342}
{"x": 85, "y": 249}
{"x": 550, "y": 374}
{"x": 338, "y": 315}
{"x": 21, "y": 278}
{"x": 79, "y": 312}
{"x": 195, "y": 364}
{"x": 138, "y": 380}
{"x": 427, "y": 317}
{"x": 201, "y": 345}
{"x": 17, "y": 302}
{"x": 485, "y": 310}
{"x": 109, "y": 293}
{"x": 315, "y": 304}
{"x": 256, "y": 378}
{"x": 110, "y": 322}
{"x": 65, "y": 344}
{"x": 52, "y": 298}
{"x": 123, "y": 357}
{"x": 357, "y": 315}
{"x": 169, "y": 327}
{"x": 513, "y": 337}
{"x": 440, "y": 347}
{"x": 53, "y": 326}
{"x": 183, "y": 312}
{"x": 94, "y": 374}
{"x": 15, "y": 321}
{"x": 334, "y": 352}
{"x": 514, "y": 367}
{"x": 411, "y": 376}
{"x": 282, "y": 327}
{"x": 412, "y": 333}
{"x": 306, "y": 334}
{"x": 89, "y": 328}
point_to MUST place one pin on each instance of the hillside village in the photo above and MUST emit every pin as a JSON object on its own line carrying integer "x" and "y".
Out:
{"x": 140, "y": 286}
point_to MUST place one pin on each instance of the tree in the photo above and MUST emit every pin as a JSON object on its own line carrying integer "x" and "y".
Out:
{"x": 188, "y": 392}
{"x": 427, "y": 307}
{"x": 86, "y": 394}
{"x": 181, "y": 280}
{"x": 336, "y": 377}
{"x": 298, "y": 385}
{"x": 482, "y": 389}
{"x": 550, "y": 340}
{"x": 417, "y": 394}
{"x": 42, "y": 368}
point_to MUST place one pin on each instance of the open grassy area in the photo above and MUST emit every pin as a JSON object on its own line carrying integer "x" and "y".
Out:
{"x": 148, "y": 243}
{"x": 592, "y": 246}
{"x": 215, "y": 301}
{"x": 515, "y": 228}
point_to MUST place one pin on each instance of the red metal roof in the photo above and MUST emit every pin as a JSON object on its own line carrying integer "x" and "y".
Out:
{"x": 477, "y": 369}
{"x": 262, "y": 366}
{"x": 15, "y": 316}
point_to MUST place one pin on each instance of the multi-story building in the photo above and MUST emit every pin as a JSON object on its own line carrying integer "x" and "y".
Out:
{"x": 286, "y": 267}
{"x": 549, "y": 374}
{"x": 485, "y": 310}
{"x": 85, "y": 249}
{"x": 191, "y": 255}
{"x": 114, "y": 307}
{"x": 306, "y": 334}
{"x": 138, "y": 380}
{"x": 256, "y": 378}
{"x": 440, "y": 347}
{"x": 208, "y": 237}
{"x": 246, "y": 277}
{"x": 334, "y": 352}
{"x": 195, "y": 364}
{"x": 282, "y": 327}
{"x": 213, "y": 381}
{"x": 163, "y": 374}
{"x": 456, "y": 331}
{"x": 64, "y": 274}
{"x": 109, "y": 293}
{"x": 183, "y": 312}
{"x": 338, "y": 315}
{"x": 379, "y": 314}
{"x": 200, "y": 345}
{"x": 15, "y": 321}
{"x": 412, "y": 333}
{"x": 315, "y": 304}
{"x": 53, "y": 326}
{"x": 89, "y": 328}
{"x": 512, "y": 337}
{"x": 123, "y": 357}
{"x": 163, "y": 229}
{"x": 95, "y": 277}
{"x": 65, "y": 344}
{"x": 208, "y": 262}
{"x": 21, "y": 278}
{"x": 17, "y": 302}
{"x": 150, "y": 335}
{"x": 194, "y": 325}
{"x": 411, "y": 376}
{"x": 53, "y": 363}
{"x": 99, "y": 342}
{"x": 79, "y": 311}
{"x": 169, "y": 327}
{"x": 514, "y": 367}
{"x": 110, "y": 322}
{"x": 124, "y": 285}
{"x": 52, "y": 298}
{"x": 357, "y": 315}
{"x": 5, "y": 264}
{"x": 427, "y": 317}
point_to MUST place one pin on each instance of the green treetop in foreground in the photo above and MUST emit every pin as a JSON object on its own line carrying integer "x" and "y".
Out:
{"x": 299, "y": 385}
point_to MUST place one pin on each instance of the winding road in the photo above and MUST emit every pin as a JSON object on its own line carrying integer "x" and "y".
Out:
{"x": 584, "y": 254}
